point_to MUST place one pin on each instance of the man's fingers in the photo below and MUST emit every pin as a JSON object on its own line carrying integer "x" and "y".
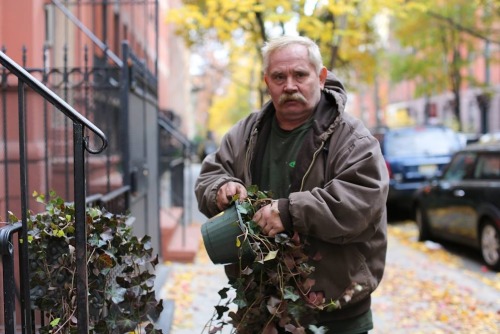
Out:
{"x": 240, "y": 190}
{"x": 226, "y": 193}
{"x": 269, "y": 221}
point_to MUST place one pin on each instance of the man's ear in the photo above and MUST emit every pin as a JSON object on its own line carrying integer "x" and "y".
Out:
{"x": 266, "y": 79}
{"x": 322, "y": 77}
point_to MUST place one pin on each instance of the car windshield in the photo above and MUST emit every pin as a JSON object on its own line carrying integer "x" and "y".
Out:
{"x": 461, "y": 167}
{"x": 421, "y": 142}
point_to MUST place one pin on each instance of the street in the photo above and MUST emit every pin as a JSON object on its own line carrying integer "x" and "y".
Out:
{"x": 427, "y": 288}
{"x": 430, "y": 288}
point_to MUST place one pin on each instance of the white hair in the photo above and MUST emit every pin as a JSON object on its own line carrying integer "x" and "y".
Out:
{"x": 282, "y": 42}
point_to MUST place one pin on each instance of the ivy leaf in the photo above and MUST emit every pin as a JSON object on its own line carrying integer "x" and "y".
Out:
{"x": 333, "y": 305}
{"x": 93, "y": 212}
{"x": 12, "y": 217}
{"x": 273, "y": 304}
{"x": 308, "y": 284}
{"x": 117, "y": 294}
{"x": 107, "y": 235}
{"x": 104, "y": 261}
{"x": 317, "y": 330}
{"x": 55, "y": 322}
{"x": 253, "y": 228}
{"x": 282, "y": 238}
{"x": 271, "y": 255}
{"x": 241, "y": 209}
{"x": 96, "y": 241}
{"x": 221, "y": 310}
{"x": 150, "y": 329}
{"x": 252, "y": 190}
{"x": 289, "y": 293}
{"x": 262, "y": 195}
{"x": 247, "y": 271}
{"x": 223, "y": 293}
{"x": 125, "y": 324}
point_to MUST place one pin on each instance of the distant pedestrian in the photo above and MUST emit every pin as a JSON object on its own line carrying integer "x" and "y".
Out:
{"x": 208, "y": 146}
{"x": 326, "y": 172}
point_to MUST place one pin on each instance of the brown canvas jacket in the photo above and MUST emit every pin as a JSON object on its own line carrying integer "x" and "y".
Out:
{"x": 338, "y": 198}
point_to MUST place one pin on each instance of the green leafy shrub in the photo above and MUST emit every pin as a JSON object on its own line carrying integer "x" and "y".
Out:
{"x": 120, "y": 284}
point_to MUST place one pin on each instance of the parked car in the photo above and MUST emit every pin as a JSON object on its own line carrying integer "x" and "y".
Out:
{"x": 463, "y": 205}
{"x": 489, "y": 137}
{"x": 413, "y": 155}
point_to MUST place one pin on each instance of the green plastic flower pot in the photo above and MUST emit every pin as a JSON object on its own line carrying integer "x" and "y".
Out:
{"x": 220, "y": 234}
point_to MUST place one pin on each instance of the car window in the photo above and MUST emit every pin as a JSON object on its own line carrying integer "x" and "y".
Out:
{"x": 421, "y": 142}
{"x": 488, "y": 167}
{"x": 461, "y": 167}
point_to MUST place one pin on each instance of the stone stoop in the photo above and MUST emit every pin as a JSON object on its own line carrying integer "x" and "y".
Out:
{"x": 179, "y": 243}
{"x": 166, "y": 318}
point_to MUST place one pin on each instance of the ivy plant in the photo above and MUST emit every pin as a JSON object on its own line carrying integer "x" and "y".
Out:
{"x": 271, "y": 291}
{"x": 120, "y": 282}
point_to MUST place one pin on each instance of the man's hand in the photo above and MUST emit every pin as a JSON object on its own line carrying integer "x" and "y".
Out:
{"x": 268, "y": 218}
{"x": 226, "y": 193}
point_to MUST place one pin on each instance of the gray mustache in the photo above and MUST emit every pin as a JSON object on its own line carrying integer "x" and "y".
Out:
{"x": 292, "y": 97}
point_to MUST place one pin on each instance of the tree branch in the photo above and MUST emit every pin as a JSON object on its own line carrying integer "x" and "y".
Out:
{"x": 460, "y": 27}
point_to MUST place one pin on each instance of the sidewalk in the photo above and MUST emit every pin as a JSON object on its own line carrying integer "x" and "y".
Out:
{"x": 424, "y": 290}
{"x": 194, "y": 289}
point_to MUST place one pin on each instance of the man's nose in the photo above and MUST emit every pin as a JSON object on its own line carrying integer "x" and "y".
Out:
{"x": 290, "y": 84}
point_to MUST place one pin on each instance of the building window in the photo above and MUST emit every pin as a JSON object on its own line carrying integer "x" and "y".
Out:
{"x": 431, "y": 110}
{"x": 49, "y": 25}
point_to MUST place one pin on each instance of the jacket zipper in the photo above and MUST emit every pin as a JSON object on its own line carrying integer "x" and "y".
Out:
{"x": 249, "y": 148}
{"x": 310, "y": 166}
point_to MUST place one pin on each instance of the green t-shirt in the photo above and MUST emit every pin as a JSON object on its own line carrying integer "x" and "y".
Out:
{"x": 360, "y": 324}
{"x": 280, "y": 158}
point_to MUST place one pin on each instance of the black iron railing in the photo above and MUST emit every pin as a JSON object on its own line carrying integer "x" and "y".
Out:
{"x": 80, "y": 145}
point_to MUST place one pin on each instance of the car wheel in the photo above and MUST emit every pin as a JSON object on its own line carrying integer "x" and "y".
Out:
{"x": 422, "y": 221}
{"x": 490, "y": 245}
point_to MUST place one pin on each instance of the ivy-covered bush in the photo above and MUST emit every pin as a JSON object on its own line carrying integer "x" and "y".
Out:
{"x": 120, "y": 284}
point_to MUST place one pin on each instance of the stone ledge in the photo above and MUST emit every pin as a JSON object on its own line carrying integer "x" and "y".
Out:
{"x": 183, "y": 245}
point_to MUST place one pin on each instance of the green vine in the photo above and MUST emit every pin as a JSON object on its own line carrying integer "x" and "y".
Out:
{"x": 271, "y": 290}
{"x": 120, "y": 285}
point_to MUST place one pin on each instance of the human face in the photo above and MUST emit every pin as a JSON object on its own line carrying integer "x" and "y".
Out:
{"x": 294, "y": 85}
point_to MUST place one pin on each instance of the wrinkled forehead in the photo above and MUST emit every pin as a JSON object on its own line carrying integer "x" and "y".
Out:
{"x": 291, "y": 57}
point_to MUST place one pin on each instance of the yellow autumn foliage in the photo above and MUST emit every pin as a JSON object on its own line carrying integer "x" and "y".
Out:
{"x": 238, "y": 98}
{"x": 344, "y": 29}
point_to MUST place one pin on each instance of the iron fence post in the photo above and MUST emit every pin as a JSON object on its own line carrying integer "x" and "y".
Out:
{"x": 23, "y": 249}
{"x": 80, "y": 230}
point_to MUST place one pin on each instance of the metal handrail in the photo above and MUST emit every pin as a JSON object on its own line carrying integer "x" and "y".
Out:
{"x": 165, "y": 124}
{"x": 88, "y": 32}
{"x": 54, "y": 99}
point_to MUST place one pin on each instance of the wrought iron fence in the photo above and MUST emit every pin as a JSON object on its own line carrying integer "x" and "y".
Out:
{"x": 93, "y": 90}
{"x": 21, "y": 93}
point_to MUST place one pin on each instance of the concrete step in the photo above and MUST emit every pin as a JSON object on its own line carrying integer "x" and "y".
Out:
{"x": 170, "y": 218}
{"x": 184, "y": 244}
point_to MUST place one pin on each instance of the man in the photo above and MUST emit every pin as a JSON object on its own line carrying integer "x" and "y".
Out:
{"x": 325, "y": 170}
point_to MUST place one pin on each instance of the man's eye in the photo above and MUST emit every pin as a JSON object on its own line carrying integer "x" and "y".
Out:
{"x": 279, "y": 78}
